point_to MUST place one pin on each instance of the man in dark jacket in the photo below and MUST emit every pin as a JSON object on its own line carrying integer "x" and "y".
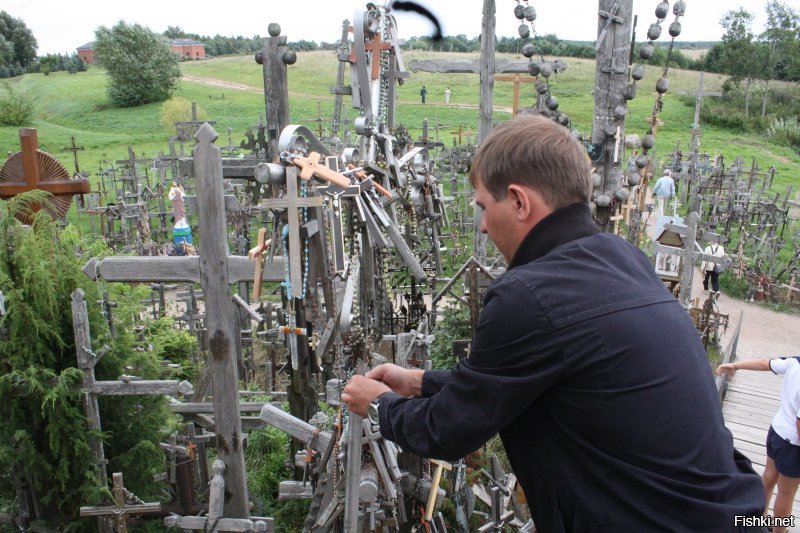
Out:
{"x": 587, "y": 367}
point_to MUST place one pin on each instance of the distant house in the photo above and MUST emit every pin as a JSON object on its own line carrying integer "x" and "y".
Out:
{"x": 184, "y": 48}
{"x": 189, "y": 48}
{"x": 86, "y": 53}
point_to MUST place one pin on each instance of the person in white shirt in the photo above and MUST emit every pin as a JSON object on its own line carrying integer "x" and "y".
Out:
{"x": 710, "y": 268}
{"x": 783, "y": 439}
{"x": 663, "y": 190}
{"x": 447, "y": 93}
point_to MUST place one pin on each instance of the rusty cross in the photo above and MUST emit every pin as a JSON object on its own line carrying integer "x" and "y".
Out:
{"x": 74, "y": 149}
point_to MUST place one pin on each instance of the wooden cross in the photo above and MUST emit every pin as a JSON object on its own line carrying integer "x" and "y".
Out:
{"x": 121, "y": 509}
{"x": 459, "y": 132}
{"x": 215, "y": 270}
{"x": 258, "y": 253}
{"x": 517, "y": 80}
{"x": 374, "y": 45}
{"x": 33, "y": 169}
{"x": 610, "y": 16}
{"x": 74, "y": 149}
{"x": 92, "y": 388}
{"x": 293, "y": 203}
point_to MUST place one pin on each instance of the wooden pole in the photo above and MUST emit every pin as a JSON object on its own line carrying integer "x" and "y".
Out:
{"x": 488, "y": 28}
{"x": 276, "y": 91}
{"x": 220, "y": 318}
{"x": 611, "y": 76}
{"x": 86, "y": 362}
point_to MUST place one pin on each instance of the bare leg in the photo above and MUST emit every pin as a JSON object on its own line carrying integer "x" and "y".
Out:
{"x": 787, "y": 487}
{"x": 769, "y": 479}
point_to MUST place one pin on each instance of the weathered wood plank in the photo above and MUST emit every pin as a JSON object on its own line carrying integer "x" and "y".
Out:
{"x": 295, "y": 427}
{"x": 206, "y": 407}
{"x": 294, "y": 490}
{"x": 140, "y": 387}
{"x": 261, "y": 525}
{"x": 139, "y": 509}
{"x": 163, "y": 269}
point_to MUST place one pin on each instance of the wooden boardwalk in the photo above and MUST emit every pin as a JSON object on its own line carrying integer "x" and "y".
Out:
{"x": 751, "y": 401}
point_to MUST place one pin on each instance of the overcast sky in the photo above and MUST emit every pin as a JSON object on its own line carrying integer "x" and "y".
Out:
{"x": 60, "y": 26}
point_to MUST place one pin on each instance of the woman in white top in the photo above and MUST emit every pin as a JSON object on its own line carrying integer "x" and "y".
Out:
{"x": 783, "y": 439}
{"x": 716, "y": 250}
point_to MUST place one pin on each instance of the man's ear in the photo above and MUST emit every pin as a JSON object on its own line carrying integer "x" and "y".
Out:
{"x": 522, "y": 201}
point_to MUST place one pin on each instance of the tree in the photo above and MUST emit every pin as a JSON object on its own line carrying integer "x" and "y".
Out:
{"x": 140, "y": 63}
{"x": 781, "y": 37}
{"x": 174, "y": 32}
{"x": 740, "y": 54}
{"x": 23, "y": 43}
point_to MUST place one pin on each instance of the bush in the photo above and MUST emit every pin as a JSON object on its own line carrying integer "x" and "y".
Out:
{"x": 785, "y": 132}
{"x": 178, "y": 109}
{"x": 16, "y": 109}
{"x": 141, "y": 65}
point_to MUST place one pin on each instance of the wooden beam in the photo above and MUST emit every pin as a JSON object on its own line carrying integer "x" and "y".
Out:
{"x": 164, "y": 269}
{"x": 303, "y": 431}
{"x": 140, "y": 387}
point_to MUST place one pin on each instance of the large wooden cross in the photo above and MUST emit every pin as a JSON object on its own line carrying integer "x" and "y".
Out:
{"x": 215, "y": 270}
{"x": 33, "y": 169}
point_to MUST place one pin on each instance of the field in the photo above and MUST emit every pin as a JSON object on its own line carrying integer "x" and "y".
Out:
{"x": 75, "y": 105}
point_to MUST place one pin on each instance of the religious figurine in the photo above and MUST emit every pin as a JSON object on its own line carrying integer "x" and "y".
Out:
{"x": 175, "y": 195}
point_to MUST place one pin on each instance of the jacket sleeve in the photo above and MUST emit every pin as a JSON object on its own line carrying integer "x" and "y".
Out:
{"x": 514, "y": 359}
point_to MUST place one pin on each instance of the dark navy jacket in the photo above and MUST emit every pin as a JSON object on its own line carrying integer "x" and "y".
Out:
{"x": 597, "y": 382}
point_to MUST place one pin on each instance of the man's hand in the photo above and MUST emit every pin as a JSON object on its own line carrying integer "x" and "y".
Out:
{"x": 403, "y": 381}
{"x": 727, "y": 368}
{"x": 360, "y": 391}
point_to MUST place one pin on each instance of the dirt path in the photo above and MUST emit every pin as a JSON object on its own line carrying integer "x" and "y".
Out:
{"x": 224, "y": 84}
{"x": 765, "y": 333}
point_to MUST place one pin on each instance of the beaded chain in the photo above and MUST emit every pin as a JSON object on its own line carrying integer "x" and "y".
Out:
{"x": 526, "y": 14}
{"x": 662, "y": 85}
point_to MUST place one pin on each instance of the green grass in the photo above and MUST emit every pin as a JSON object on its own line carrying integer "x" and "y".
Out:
{"x": 76, "y": 105}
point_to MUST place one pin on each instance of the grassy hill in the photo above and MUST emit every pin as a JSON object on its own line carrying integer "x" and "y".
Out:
{"x": 75, "y": 105}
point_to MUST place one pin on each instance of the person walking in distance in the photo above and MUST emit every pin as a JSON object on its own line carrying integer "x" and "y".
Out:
{"x": 710, "y": 269}
{"x": 447, "y": 93}
{"x": 663, "y": 190}
{"x": 423, "y": 93}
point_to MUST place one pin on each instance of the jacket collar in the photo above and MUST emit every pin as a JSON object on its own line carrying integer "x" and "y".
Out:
{"x": 559, "y": 227}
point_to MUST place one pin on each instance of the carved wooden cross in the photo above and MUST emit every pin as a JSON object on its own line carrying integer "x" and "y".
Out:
{"x": 33, "y": 169}
{"x": 121, "y": 509}
{"x": 292, "y": 203}
{"x": 215, "y": 270}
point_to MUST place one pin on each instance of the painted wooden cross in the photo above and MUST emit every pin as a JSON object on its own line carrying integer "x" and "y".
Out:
{"x": 516, "y": 79}
{"x": 215, "y": 270}
{"x": 33, "y": 169}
